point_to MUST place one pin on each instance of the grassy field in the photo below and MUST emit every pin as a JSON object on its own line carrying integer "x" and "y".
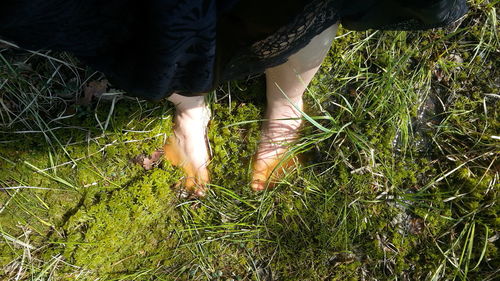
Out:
{"x": 399, "y": 180}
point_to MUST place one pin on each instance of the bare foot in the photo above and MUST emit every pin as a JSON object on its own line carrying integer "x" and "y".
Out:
{"x": 187, "y": 148}
{"x": 285, "y": 85}
{"x": 278, "y": 133}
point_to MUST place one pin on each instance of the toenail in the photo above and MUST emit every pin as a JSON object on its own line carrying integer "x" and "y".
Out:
{"x": 200, "y": 193}
{"x": 257, "y": 185}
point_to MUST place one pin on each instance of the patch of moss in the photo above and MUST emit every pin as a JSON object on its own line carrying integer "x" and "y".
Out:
{"x": 129, "y": 229}
{"x": 233, "y": 135}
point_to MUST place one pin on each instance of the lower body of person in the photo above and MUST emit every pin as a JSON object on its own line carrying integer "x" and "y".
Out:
{"x": 180, "y": 50}
{"x": 285, "y": 86}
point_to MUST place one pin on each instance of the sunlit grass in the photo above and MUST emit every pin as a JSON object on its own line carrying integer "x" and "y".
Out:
{"x": 399, "y": 178}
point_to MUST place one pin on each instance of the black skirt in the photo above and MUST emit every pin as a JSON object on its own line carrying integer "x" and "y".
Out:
{"x": 153, "y": 48}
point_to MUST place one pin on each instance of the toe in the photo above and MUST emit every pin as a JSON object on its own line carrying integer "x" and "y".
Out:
{"x": 267, "y": 172}
{"x": 200, "y": 192}
{"x": 258, "y": 185}
{"x": 260, "y": 174}
{"x": 196, "y": 180}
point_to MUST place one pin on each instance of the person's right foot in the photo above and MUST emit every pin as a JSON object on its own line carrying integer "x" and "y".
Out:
{"x": 187, "y": 149}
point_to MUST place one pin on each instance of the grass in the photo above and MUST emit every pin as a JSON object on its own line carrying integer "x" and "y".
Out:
{"x": 399, "y": 179}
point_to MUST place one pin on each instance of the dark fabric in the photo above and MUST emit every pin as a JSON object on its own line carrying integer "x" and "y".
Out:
{"x": 275, "y": 33}
{"x": 401, "y": 14}
{"x": 310, "y": 19}
{"x": 152, "y": 48}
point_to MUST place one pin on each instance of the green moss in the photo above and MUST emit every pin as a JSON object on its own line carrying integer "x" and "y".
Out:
{"x": 125, "y": 230}
{"x": 233, "y": 134}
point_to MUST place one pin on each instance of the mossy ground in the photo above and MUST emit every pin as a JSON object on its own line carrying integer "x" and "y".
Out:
{"x": 399, "y": 179}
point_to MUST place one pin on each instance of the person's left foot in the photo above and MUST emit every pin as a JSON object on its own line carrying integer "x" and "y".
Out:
{"x": 279, "y": 131}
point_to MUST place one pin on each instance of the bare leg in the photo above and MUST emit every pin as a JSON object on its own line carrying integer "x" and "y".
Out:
{"x": 187, "y": 148}
{"x": 286, "y": 84}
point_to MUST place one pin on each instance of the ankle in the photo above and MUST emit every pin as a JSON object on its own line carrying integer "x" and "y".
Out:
{"x": 197, "y": 116}
{"x": 284, "y": 102}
